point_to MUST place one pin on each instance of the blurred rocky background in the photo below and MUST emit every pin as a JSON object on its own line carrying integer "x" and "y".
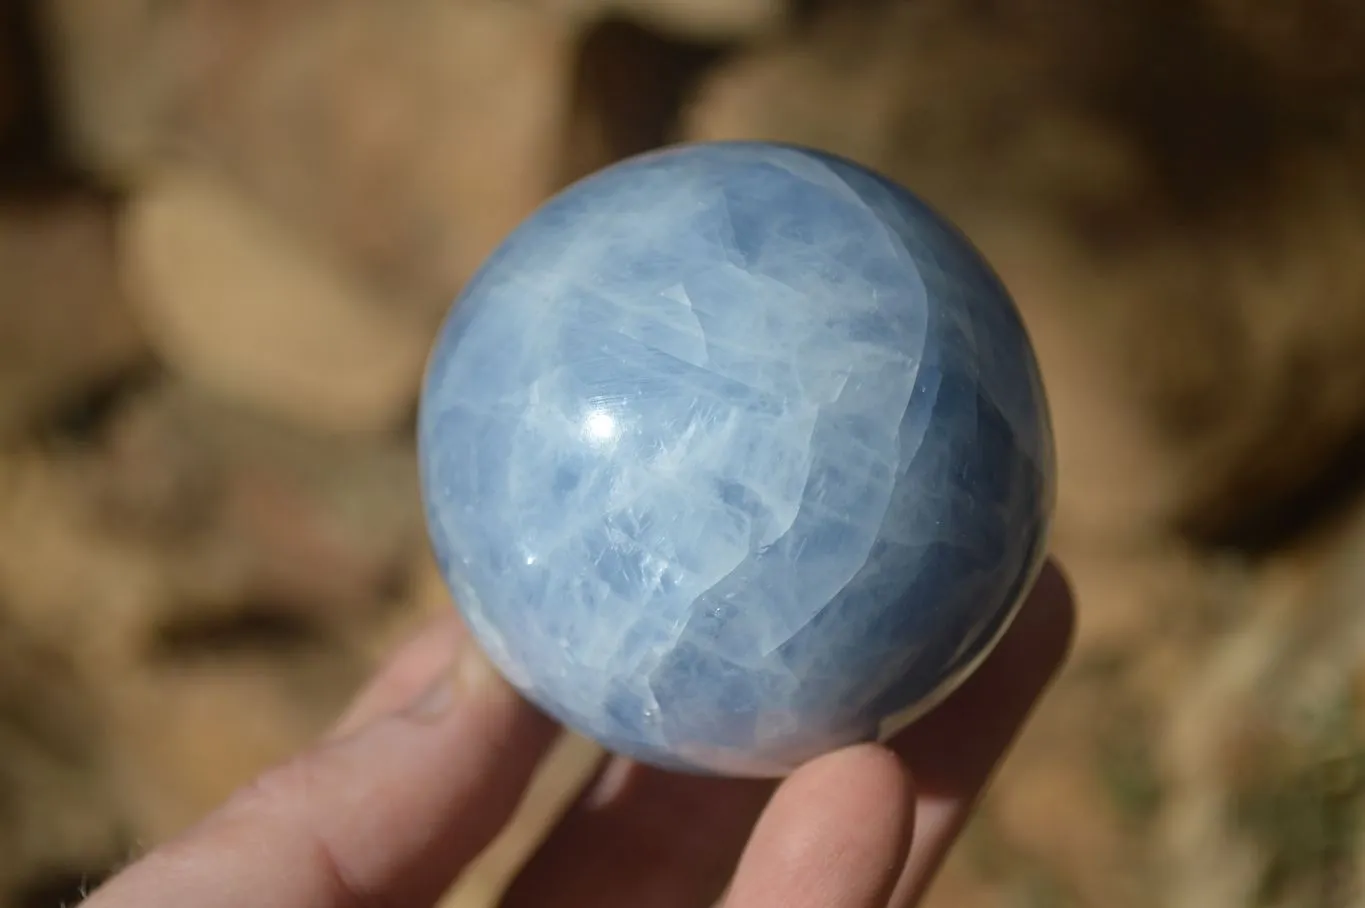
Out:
{"x": 228, "y": 229}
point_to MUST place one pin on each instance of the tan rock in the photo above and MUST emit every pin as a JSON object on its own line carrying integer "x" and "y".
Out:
{"x": 1083, "y": 844}
{"x": 408, "y": 136}
{"x": 262, "y": 533}
{"x": 253, "y": 518}
{"x": 245, "y": 307}
{"x": 413, "y": 136}
{"x": 186, "y": 735}
{"x": 87, "y": 594}
{"x": 1133, "y": 599}
{"x": 959, "y": 885}
{"x": 204, "y": 639}
{"x": 115, "y": 82}
{"x": 59, "y": 820}
{"x": 64, "y": 325}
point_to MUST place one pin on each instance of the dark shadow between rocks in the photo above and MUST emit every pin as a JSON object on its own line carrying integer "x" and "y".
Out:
{"x": 33, "y": 160}
{"x": 626, "y": 92}
{"x": 253, "y": 629}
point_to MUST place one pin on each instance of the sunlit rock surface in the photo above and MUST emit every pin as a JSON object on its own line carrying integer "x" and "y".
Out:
{"x": 734, "y": 453}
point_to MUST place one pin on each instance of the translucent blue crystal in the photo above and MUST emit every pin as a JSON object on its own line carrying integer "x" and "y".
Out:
{"x": 735, "y": 453}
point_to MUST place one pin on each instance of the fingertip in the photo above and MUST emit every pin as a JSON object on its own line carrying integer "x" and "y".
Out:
{"x": 1051, "y": 610}
{"x": 836, "y": 834}
{"x": 953, "y": 748}
{"x": 863, "y": 775}
{"x": 1035, "y": 647}
{"x": 956, "y": 748}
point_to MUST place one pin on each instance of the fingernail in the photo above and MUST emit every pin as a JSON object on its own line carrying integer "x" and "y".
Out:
{"x": 471, "y": 676}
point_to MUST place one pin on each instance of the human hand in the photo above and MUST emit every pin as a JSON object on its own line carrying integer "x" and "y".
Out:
{"x": 433, "y": 757}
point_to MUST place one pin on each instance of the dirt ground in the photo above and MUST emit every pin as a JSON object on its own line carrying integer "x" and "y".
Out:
{"x": 228, "y": 229}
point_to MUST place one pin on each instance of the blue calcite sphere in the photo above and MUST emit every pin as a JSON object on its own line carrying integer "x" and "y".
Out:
{"x": 733, "y": 454}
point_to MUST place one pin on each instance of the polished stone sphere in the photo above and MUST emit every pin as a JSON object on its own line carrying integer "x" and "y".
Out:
{"x": 735, "y": 453}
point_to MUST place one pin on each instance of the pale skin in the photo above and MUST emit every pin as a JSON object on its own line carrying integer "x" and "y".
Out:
{"x": 432, "y": 758}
